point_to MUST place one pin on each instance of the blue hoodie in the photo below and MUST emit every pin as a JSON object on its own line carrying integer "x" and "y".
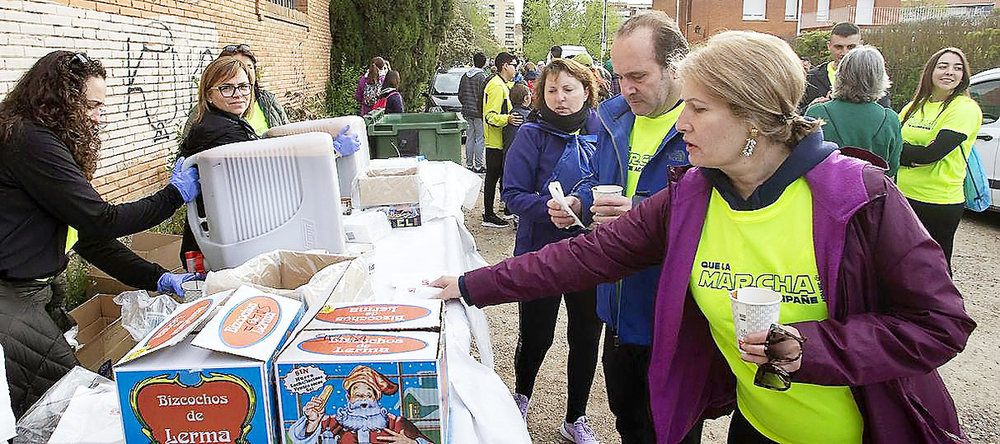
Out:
{"x": 627, "y": 305}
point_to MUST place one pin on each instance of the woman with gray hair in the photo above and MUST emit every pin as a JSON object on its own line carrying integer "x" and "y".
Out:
{"x": 854, "y": 118}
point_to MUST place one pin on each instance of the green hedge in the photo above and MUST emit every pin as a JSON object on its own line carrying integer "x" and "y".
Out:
{"x": 404, "y": 32}
{"x": 907, "y": 46}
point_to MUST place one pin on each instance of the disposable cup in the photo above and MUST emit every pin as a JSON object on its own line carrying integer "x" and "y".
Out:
{"x": 606, "y": 190}
{"x": 193, "y": 289}
{"x": 754, "y": 309}
{"x": 366, "y": 252}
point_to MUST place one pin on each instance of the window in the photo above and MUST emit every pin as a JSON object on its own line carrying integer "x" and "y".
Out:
{"x": 754, "y": 9}
{"x": 791, "y": 9}
{"x": 509, "y": 35}
{"x": 823, "y": 10}
{"x": 298, "y": 5}
{"x": 987, "y": 94}
{"x": 510, "y": 15}
{"x": 493, "y": 14}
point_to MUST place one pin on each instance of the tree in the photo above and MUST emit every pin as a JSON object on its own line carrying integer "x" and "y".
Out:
{"x": 565, "y": 22}
{"x": 468, "y": 33}
{"x": 404, "y": 32}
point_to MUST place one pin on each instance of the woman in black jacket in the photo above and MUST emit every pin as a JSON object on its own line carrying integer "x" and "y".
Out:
{"x": 224, "y": 97}
{"x": 49, "y": 145}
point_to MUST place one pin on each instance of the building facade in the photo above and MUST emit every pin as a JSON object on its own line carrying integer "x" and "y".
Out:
{"x": 155, "y": 52}
{"x": 699, "y": 19}
{"x": 501, "y": 19}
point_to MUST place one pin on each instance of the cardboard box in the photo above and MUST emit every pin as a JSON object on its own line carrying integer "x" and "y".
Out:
{"x": 399, "y": 376}
{"x": 101, "y": 335}
{"x": 162, "y": 249}
{"x": 413, "y": 315}
{"x": 393, "y": 187}
{"x": 216, "y": 386}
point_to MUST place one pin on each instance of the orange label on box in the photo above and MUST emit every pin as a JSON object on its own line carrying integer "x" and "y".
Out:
{"x": 372, "y": 314}
{"x": 217, "y": 409}
{"x": 178, "y": 323}
{"x": 361, "y": 345}
{"x": 250, "y": 322}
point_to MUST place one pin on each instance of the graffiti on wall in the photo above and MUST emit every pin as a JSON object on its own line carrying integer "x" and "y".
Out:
{"x": 154, "y": 71}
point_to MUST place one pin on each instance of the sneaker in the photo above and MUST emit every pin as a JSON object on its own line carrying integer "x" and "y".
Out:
{"x": 492, "y": 221}
{"x": 522, "y": 404}
{"x": 481, "y": 170}
{"x": 506, "y": 214}
{"x": 579, "y": 432}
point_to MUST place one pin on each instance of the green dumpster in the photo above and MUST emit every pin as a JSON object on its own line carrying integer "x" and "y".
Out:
{"x": 437, "y": 136}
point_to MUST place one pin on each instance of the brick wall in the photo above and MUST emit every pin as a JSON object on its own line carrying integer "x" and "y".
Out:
{"x": 155, "y": 52}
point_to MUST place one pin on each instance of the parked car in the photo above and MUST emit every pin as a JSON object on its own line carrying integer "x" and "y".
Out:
{"x": 443, "y": 92}
{"x": 985, "y": 89}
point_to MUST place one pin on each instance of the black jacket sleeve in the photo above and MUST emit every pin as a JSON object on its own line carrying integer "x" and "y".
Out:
{"x": 945, "y": 141}
{"x": 121, "y": 263}
{"x": 49, "y": 174}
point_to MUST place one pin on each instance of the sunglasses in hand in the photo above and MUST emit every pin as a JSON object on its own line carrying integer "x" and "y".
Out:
{"x": 771, "y": 375}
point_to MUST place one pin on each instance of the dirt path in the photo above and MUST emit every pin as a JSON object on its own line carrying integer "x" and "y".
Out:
{"x": 973, "y": 377}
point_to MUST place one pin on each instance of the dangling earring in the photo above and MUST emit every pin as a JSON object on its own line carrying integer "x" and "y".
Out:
{"x": 751, "y": 143}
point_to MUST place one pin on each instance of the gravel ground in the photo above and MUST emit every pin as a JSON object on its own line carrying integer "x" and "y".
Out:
{"x": 973, "y": 377}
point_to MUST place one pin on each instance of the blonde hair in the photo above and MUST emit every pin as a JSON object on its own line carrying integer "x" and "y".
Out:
{"x": 759, "y": 76}
{"x": 220, "y": 70}
{"x": 573, "y": 68}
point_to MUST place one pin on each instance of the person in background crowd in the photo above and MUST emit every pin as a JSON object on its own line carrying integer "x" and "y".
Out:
{"x": 555, "y": 52}
{"x": 616, "y": 87}
{"x": 853, "y": 118}
{"x": 370, "y": 84}
{"x": 635, "y": 149}
{"x": 470, "y": 94}
{"x": 873, "y": 312}
{"x": 49, "y": 147}
{"x": 530, "y": 73}
{"x": 496, "y": 115}
{"x": 844, "y": 36}
{"x": 604, "y": 85}
{"x": 224, "y": 96}
{"x": 265, "y": 112}
{"x": 555, "y": 145}
{"x": 940, "y": 126}
{"x": 390, "y": 98}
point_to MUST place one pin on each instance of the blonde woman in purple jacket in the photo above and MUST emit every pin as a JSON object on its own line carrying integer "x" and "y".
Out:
{"x": 868, "y": 313}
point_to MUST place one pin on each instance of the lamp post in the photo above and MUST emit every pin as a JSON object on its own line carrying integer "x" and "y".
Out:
{"x": 604, "y": 31}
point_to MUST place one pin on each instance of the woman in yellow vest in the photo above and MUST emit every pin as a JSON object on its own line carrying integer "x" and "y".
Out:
{"x": 939, "y": 128}
{"x": 868, "y": 310}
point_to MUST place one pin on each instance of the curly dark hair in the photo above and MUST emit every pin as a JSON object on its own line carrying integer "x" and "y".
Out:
{"x": 52, "y": 94}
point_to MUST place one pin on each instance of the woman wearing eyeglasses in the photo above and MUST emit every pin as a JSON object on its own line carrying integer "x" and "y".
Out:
{"x": 868, "y": 312}
{"x": 49, "y": 147}
{"x": 224, "y": 97}
{"x": 265, "y": 111}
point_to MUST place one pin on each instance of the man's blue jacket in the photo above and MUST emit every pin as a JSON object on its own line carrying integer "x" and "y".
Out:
{"x": 627, "y": 305}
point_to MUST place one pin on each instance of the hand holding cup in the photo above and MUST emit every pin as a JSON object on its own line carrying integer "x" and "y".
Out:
{"x": 609, "y": 204}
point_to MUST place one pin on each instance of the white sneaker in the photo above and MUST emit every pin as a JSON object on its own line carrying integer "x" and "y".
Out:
{"x": 579, "y": 432}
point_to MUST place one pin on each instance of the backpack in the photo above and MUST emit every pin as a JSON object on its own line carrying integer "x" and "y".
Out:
{"x": 382, "y": 101}
{"x": 976, "y": 185}
{"x": 371, "y": 92}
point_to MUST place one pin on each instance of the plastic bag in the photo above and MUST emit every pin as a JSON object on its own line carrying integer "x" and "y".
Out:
{"x": 141, "y": 313}
{"x": 303, "y": 276}
{"x": 82, "y": 407}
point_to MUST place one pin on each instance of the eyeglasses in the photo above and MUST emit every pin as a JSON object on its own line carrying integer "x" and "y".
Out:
{"x": 769, "y": 375}
{"x": 239, "y": 49}
{"x": 228, "y": 90}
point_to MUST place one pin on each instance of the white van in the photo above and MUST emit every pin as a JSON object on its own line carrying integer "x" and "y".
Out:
{"x": 985, "y": 89}
{"x": 569, "y": 51}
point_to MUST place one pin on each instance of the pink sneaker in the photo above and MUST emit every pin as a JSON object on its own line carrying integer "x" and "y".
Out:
{"x": 579, "y": 432}
{"x": 522, "y": 404}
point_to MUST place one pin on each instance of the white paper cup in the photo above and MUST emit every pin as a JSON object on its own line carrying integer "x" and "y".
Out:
{"x": 193, "y": 289}
{"x": 754, "y": 309}
{"x": 366, "y": 252}
{"x": 606, "y": 190}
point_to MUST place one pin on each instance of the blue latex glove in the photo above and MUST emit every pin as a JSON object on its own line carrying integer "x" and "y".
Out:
{"x": 346, "y": 144}
{"x": 171, "y": 282}
{"x": 185, "y": 180}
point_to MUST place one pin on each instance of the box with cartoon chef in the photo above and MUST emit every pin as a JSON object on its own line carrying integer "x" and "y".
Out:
{"x": 410, "y": 315}
{"x": 351, "y": 386}
{"x": 212, "y": 386}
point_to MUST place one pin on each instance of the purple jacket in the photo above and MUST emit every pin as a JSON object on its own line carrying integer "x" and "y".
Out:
{"x": 894, "y": 314}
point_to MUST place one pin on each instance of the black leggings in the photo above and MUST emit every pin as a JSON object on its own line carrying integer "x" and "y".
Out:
{"x": 742, "y": 432}
{"x": 494, "y": 174}
{"x": 941, "y": 221}
{"x": 583, "y": 332}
